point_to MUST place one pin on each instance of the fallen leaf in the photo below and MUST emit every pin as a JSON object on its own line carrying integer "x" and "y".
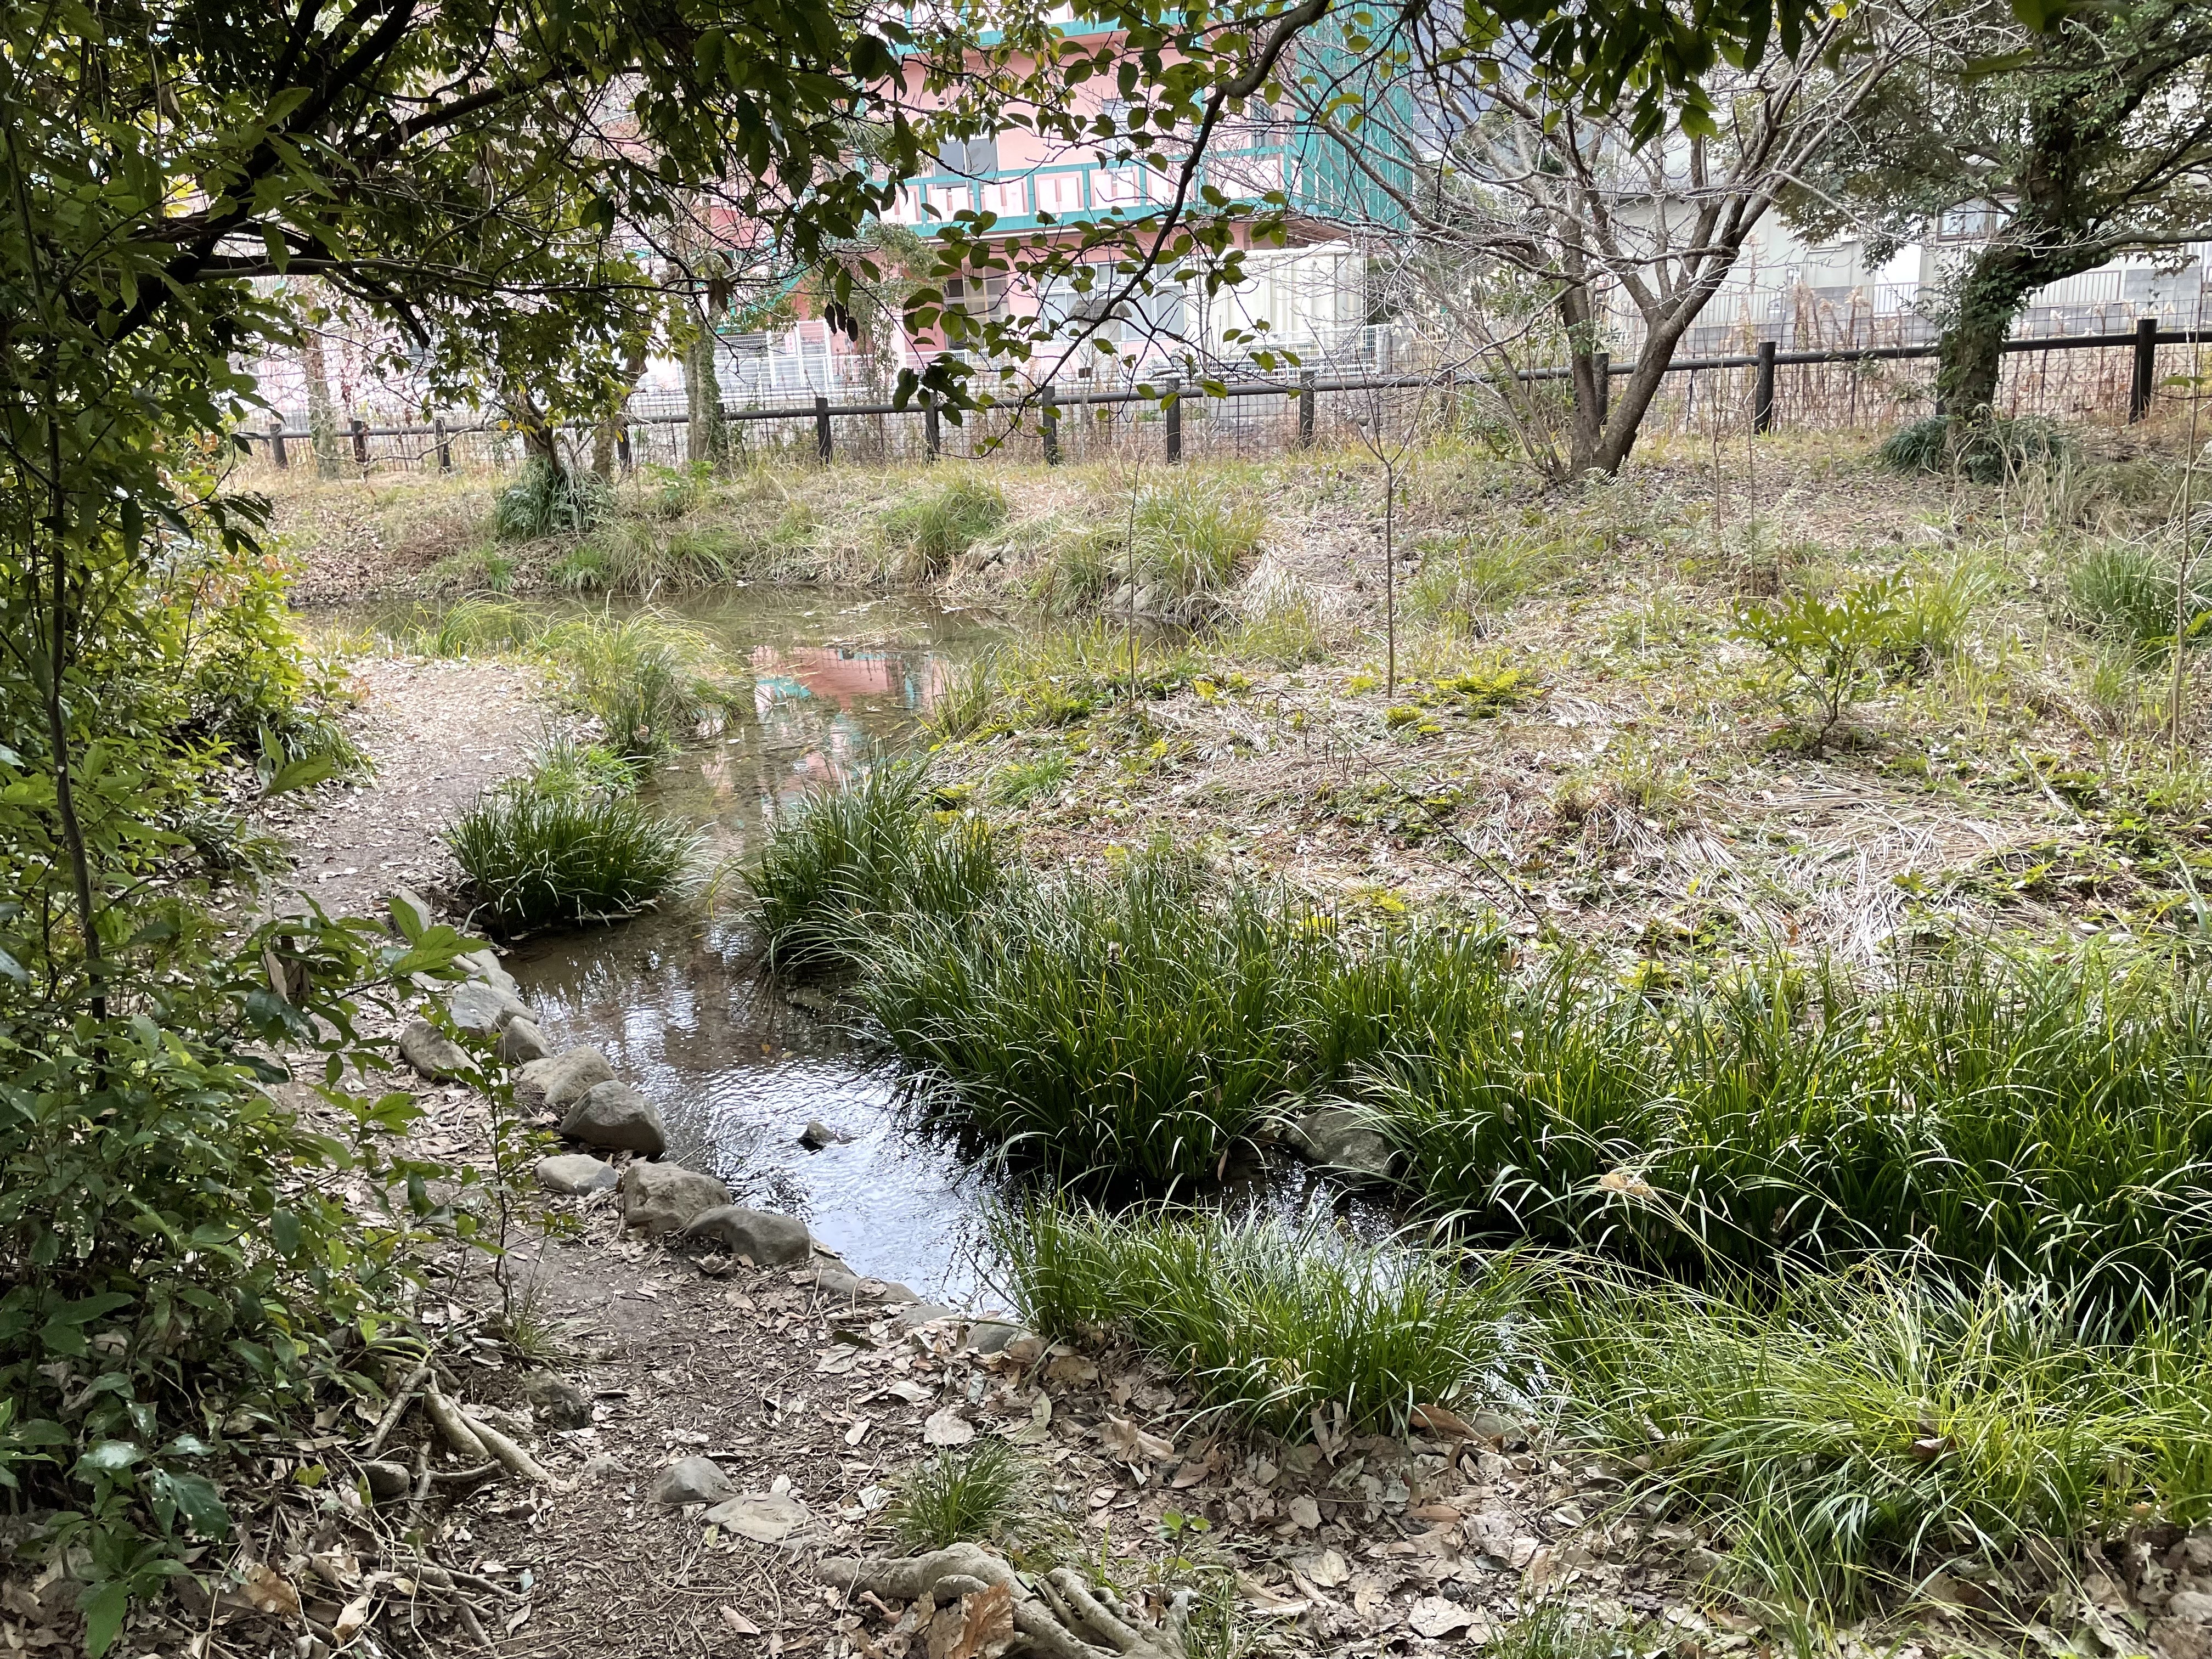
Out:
{"x": 987, "y": 1623}
{"x": 269, "y": 1591}
{"x": 766, "y": 1518}
{"x": 1432, "y": 1512}
{"x": 738, "y": 1624}
{"x": 519, "y": 1618}
{"x": 1072, "y": 1368}
{"x": 912, "y": 1392}
{"x": 1432, "y": 1616}
{"x": 351, "y": 1618}
{"x": 1329, "y": 1568}
{"x": 1304, "y": 1512}
{"x": 1441, "y": 1421}
{"x": 1038, "y": 1429}
{"x": 1130, "y": 1443}
{"x": 947, "y": 1428}
{"x": 859, "y": 1431}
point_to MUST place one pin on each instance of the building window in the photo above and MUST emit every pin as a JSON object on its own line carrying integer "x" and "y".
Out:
{"x": 973, "y": 158}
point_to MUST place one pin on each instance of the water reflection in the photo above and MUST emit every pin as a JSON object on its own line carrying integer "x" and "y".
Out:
{"x": 736, "y": 1070}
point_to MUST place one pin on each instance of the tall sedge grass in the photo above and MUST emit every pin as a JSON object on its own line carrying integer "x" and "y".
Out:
{"x": 962, "y": 1494}
{"x": 1192, "y": 537}
{"x": 2039, "y": 1117}
{"x": 1057, "y": 679}
{"x": 1846, "y": 1435}
{"x": 1271, "y": 1322}
{"x": 938, "y": 522}
{"x": 850, "y": 864}
{"x": 649, "y": 681}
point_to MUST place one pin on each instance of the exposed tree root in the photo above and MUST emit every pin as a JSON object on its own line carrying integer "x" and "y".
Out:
{"x": 1062, "y": 1617}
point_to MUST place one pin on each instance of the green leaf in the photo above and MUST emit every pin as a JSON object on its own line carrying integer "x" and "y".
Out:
{"x": 198, "y": 1499}
{"x": 109, "y": 1457}
{"x": 284, "y": 1233}
{"x": 302, "y": 774}
{"x": 104, "y": 1606}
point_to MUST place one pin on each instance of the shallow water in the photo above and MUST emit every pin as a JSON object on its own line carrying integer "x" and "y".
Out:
{"x": 736, "y": 1071}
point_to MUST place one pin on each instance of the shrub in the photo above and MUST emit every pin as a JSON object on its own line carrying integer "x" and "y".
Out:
{"x": 1825, "y": 649}
{"x": 1848, "y": 1434}
{"x": 1277, "y": 1326}
{"x": 1988, "y": 450}
{"x": 850, "y": 861}
{"x": 975, "y": 1493}
{"x": 539, "y": 859}
{"x": 551, "y": 501}
{"x": 937, "y": 523}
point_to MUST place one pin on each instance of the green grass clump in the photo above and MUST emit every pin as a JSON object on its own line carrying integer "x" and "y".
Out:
{"x": 1988, "y": 450}
{"x": 1127, "y": 1026}
{"x": 1058, "y": 679}
{"x": 1848, "y": 1434}
{"x": 649, "y": 681}
{"x": 938, "y": 522}
{"x": 1193, "y": 537}
{"x": 2125, "y": 589}
{"x": 568, "y": 842}
{"x": 470, "y": 628}
{"x": 1272, "y": 1323}
{"x": 550, "y": 501}
{"x": 2036, "y": 1117}
{"x": 1472, "y": 578}
{"x": 971, "y": 1494}
{"x": 852, "y": 863}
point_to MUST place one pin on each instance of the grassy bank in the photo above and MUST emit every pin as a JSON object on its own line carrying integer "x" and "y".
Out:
{"x": 2042, "y": 1115}
{"x": 1838, "y": 1438}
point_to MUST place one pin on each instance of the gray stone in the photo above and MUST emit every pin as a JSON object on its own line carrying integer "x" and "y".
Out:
{"x": 484, "y": 965}
{"x": 842, "y": 1284}
{"x": 558, "y": 1402}
{"x": 921, "y": 1314}
{"x": 521, "y": 1041}
{"x": 387, "y": 1480}
{"x": 559, "y": 1082}
{"x": 1340, "y": 1138}
{"x": 572, "y": 1173}
{"x": 615, "y": 1116}
{"x": 483, "y": 1009}
{"x": 411, "y": 913}
{"x": 764, "y": 1517}
{"x": 767, "y": 1239}
{"x": 989, "y": 1336}
{"x": 818, "y": 1134}
{"x": 666, "y": 1198}
{"x": 431, "y": 1051}
{"x": 692, "y": 1481}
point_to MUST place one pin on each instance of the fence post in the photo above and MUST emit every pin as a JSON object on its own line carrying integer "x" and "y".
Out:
{"x": 361, "y": 443}
{"x": 277, "y": 443}
{"x": 1175, "y": 419}
{"x": 1602, "y": 371}
{"x": 821, "y": 440}
{"x": 1048, "y": 414}
{"x": 932, "y": 436}
{"x": 1762, "y": 396}
{"x": 2146, "y": 376}
{"x": 1306, "y": 379}
{"x": 445, "y": 444}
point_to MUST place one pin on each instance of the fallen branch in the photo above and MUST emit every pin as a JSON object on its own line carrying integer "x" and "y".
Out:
{"x": 402, "y": 1397}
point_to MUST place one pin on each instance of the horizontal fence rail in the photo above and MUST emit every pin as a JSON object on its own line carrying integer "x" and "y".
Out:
{"x": 818, "y": 422}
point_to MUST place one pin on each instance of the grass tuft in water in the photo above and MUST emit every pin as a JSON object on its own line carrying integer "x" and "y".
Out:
{"x": 1272, "y": 1323}
{"x": 1059, "y": 679}
{"x": 938, "y": 522}
{"x": 974, "y": 1494}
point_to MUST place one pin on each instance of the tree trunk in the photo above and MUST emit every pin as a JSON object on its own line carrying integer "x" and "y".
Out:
{"x": 1586, "y": 426}
{"x": 702, "y": 436}
{"x": 539, "y": 442}
{"x": 1996, "y": 284}
{"x": 322, "y": 414}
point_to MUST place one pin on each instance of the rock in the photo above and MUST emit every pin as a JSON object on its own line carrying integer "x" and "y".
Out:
{"x": 818, "y": 1134}
{"x": 989, "y": 1336}
{"x": 812, "y": 999}
{"x": 764, "y": 1517}
{"x": 691, "y": 1480}
{"x": 411, "y": 913}
{"x": 600, "y": 1465}
{"x": 521, "y": 1041}
{"x": 432, "y": 1053}
{"x": 387, "y": 1480}
{"x": 559, "y": 1082}
{"x": 840, "y": 1284}
{"x": 666, "y": 1198}
{"x": 559, "y": 1403}
{"x": 574, "y": 1173}
{"x": 2185, "y": 1631}
{"x": 922, "y": 1313}
{"x": 768, "y": 1239}
{"x": 484, "y": 965}
{"x": 615, "y": 1116}
{"x": 483, "y": 1009}
{"x": 1340, "y": 1138}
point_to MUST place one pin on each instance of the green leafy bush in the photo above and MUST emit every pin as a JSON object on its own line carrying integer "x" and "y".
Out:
{"x": 1826, "y": 650}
